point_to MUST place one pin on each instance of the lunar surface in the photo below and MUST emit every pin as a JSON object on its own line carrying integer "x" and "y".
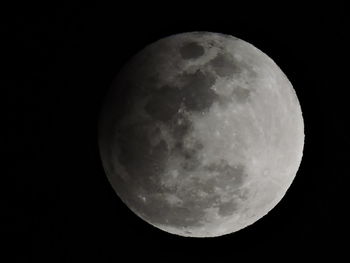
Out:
{"x": 201, "y": 134}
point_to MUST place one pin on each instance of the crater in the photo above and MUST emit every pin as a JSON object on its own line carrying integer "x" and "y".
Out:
{"x": 191, "y": 50}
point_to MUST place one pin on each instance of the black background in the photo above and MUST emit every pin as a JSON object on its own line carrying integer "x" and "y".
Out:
{"x": 63, "y": 59}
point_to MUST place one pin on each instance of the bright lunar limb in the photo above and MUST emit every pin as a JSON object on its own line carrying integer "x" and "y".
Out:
{"x": 201, "y": 134}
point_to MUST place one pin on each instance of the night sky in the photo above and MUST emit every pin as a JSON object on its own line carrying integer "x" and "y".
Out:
{"x": 62, "y": 60}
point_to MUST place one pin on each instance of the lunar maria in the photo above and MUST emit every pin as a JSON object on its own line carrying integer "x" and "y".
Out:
{"x": 201, "y": 134}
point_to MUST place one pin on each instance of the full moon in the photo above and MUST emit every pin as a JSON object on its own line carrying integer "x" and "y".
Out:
{"x": 201, "y": 134}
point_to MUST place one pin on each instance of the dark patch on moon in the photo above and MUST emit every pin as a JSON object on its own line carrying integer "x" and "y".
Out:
{"x": 164, "y": 103}
{"x": 142, "y": 161}
{"x": 224, "y": 65}
{"x": 207, "y": 186}
{"x": 240, "y": 94}
{"x": 242, "y": 193}
{"x": 180, "y": 125}
{"x": 227, "y": 175}
{"x": 252, "y": 74}
{"x": 227, "y": 208}
{"x": 196, "y": 91}
{"x": 228, "y": 178}
{"x": 159, "y": 211}
{"x": 190, "y": 156}
{"x": 224, "y": 101}
{"x": 191, "y": 50}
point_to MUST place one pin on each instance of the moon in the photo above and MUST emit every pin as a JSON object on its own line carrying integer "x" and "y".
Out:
{"x": 201, "y": 134}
